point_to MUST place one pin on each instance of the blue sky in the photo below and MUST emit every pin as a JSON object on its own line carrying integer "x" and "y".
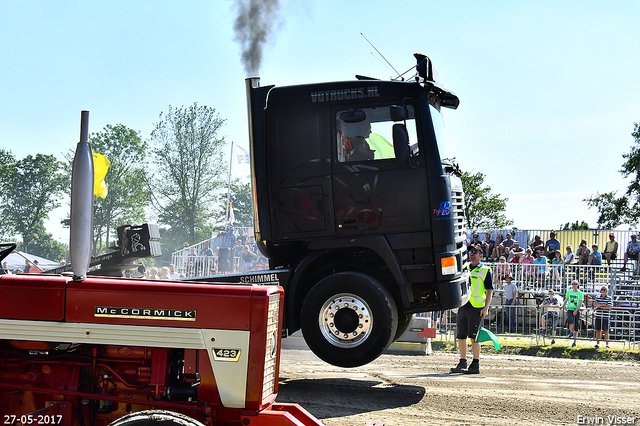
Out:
{"x": 549, "y": 90}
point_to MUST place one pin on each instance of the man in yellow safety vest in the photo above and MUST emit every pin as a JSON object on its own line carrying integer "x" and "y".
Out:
{"x": 471, "y": 314}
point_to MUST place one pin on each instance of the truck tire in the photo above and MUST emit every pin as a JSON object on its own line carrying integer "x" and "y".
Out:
{"x": 348, "y": 319}
{"x": 155, "y": 418}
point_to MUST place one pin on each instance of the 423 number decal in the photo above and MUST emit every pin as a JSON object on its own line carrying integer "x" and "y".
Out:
{"x": 226, "y": 354}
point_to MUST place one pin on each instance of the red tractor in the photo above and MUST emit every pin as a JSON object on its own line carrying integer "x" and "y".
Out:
{"x": 94, "y": 351}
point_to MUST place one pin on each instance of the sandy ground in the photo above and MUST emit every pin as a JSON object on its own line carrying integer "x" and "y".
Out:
{"x": 403, "y": 390}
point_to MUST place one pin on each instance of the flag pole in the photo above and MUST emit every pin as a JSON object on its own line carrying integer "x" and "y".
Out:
{"x": 229, "y": 187}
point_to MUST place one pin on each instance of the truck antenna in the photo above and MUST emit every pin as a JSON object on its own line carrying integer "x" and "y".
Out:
{"x": 402, "y": 75}
{"x": 382, "y": 56}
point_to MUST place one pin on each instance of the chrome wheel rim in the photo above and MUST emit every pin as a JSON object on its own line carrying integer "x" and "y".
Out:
{"x": 345, "y": 320}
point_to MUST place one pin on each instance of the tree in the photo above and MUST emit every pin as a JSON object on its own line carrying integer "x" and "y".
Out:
{"x": 615, "y": 210}
{"x": 483, "y": 210}
{"x": 189, "y": 169}
{"x": 32, "y": 188}
{"x": 575, "y": 226}
{"x": 6, "y": 160}
{"x": 126, "y": 181}
{"x": 43, "y": 245}
{"x": 242, "y": 202}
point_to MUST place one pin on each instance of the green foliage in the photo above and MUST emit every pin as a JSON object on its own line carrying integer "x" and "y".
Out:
{"x": 189, "y": 172}
{"x": 483, "y": 209}
{"x": 575, "y": 226}
{"x": 612, "y": 209}
{"x": 32, "y": 188}
{"x": 175, "y": 238}
{"x": 43, "y": 245}
{"x": 242, "y": 202}
{"x": 615, "y": 210}
{"x": 6, "y": 160}
{"x": 126, "y": 181}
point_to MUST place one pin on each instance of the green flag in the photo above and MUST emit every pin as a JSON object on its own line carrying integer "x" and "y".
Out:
{"x": 485, "y": 335}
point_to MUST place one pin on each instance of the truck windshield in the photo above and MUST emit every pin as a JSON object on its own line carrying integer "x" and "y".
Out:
{"x": 372, "y": 138}
{"x": 441, "y": 135}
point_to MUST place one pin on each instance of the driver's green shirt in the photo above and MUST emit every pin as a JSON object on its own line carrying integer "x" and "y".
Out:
{"x": 573, "y": 299}
{"x": 382, "y": 147}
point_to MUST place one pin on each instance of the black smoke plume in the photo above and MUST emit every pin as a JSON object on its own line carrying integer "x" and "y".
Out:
{"x": 252, "y": 28}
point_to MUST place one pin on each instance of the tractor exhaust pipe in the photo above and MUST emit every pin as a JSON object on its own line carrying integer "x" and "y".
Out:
{"x": 81, "y": 203}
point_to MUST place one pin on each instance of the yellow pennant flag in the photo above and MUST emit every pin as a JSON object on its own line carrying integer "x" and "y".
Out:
{"x": 100, "y": 168}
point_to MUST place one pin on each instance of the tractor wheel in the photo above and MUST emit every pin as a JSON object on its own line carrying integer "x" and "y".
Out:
{"x": 348, "y": 319}
{"x": 155, "y": 418}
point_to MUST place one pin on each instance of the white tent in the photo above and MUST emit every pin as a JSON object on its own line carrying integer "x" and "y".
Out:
{"x": 16, "y": 261}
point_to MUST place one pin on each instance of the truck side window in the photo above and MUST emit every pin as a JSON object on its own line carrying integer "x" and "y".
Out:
{"x": 298, "y": 139}
{"x": 371, "y": 139}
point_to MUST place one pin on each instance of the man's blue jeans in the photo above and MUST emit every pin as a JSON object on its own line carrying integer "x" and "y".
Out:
{"x": 511, "y": 314}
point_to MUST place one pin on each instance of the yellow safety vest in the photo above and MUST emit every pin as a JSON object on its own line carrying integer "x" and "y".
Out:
{"x": 478, "y": 292}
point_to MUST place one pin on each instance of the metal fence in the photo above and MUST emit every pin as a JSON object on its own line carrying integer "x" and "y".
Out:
{"x": 192, "y": 266}
{"x": 526, "y": 318}
{"x": 192, "y": 261}
{"x": 624, "y": 324}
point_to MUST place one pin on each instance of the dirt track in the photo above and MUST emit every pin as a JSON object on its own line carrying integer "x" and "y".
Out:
{"x": 404, "y": 390}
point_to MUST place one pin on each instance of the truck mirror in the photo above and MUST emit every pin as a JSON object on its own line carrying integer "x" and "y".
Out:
{"x": 397, "y": 113}
{"x": 400, "y": 143}
{"x": 353, "y": 116}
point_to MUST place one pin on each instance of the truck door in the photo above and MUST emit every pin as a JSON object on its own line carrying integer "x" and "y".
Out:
{"x": 299, "y": 167}
{"x": 375, "y": 193}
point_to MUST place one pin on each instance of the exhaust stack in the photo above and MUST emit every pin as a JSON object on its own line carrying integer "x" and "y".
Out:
{"x": 81, "y": 203}
{"x": 252, "y": 83}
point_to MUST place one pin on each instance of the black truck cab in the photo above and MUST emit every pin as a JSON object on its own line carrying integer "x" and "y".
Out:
{"x": 352, "y": 195}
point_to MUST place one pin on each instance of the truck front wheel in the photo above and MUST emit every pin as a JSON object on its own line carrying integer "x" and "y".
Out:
{"x": 348, "y": 319}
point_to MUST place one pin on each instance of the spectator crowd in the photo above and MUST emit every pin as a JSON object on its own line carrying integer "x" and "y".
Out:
{"x": 546, "y": 261}
{"x": 225, "y": 253}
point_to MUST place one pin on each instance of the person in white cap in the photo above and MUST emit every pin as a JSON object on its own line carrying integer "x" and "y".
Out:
{"x": 633, "y": 248}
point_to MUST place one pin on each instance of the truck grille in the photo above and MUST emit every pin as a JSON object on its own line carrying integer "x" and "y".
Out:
{"x": 271, "y": 351}
{"x": 459, "y": 222}
{"x": 457, "y": 211}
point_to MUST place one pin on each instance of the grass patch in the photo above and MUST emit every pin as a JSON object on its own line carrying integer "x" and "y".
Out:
{"x": 562, "y": 349}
